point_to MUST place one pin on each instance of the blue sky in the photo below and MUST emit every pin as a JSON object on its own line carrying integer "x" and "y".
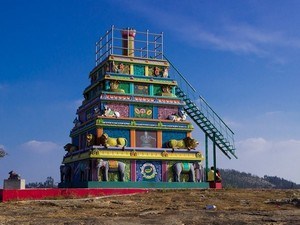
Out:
{"x": 242, "y": 56}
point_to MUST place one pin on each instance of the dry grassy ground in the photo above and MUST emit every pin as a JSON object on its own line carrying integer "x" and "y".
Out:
{"x": 234, "y": 206}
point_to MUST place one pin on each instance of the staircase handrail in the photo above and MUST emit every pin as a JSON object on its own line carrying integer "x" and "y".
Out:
{"x": 206, "y": 104}
{"x": 180, "y": 74}
{"x": 215, "y": 113}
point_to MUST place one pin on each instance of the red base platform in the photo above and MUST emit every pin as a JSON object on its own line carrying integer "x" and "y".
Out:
{"x": 57, "y": 193}
{"x": 215, "y": 185}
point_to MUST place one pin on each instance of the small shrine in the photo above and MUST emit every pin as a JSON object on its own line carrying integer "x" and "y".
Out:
{"x": 14, "y": 181}
{"x": 134, "y": 127}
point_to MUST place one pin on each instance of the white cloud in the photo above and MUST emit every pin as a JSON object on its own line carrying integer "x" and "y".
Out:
{"x": 267, "y": 157}
{"x": 253, "y": 145}
{"x": 225, "y": 40}
{"x": 228, "y": 35}
{"x": 274, "y": 113}
{"x": 241, "y": 39}
{"x": 40, "y": 146}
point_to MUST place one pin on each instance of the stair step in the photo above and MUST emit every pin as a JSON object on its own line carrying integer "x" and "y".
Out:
{"x": 206, "y": 124}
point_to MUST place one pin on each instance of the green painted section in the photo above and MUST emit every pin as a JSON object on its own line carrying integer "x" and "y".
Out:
{"x": 141, "y": 89}
{"x": 142, "y": 184}
{"x": 151, "y": 90}
{"x": 157, "y": 90}
{"x": 125, "y": 87}
{"x": 131, "y": 88}
{"x": 185, "y": 167}
{"x": 139, "y": 70}
{"x": 143, "y": 111}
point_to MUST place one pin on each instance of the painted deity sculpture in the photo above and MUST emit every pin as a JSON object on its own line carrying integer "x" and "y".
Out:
{"x": 90, "y": 140}
{"x": 111, "y": 166}
{"x": 166, "y": 72}
{"x": 156, "y": 71}
{"x": 146, "y": 139}
{"x": 166, "y": 90}
{"x": 114, "y": 86}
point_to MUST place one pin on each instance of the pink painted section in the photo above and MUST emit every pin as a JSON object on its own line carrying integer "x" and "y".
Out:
{"x": 48, "y": 193}
{"x": 164, "y": 112}
{"x": 164, "y": 171}
{"x": 123, "y": 109}
{"x": 133, "y": 170}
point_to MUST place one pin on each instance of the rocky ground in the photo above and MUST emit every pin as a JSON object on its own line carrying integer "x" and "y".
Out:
{"x": 233, "y": 206}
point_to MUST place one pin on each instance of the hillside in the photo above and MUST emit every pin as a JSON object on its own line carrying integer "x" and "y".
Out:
{"x": 230, "y": 179}
{"x": 236, "y": 179}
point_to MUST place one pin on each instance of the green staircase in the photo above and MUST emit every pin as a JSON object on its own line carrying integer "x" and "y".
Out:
{"x": 203, "y": 115}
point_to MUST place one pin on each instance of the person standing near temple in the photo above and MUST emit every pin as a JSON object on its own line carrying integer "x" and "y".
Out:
{"x": 218, "y": 176}
{"x": 211, "y": 175}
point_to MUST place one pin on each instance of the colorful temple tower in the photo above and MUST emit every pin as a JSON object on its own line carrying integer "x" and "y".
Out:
{"x": 132, "y": 128}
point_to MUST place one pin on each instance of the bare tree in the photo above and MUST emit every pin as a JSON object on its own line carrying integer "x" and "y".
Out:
{"x": 2, "y": 153}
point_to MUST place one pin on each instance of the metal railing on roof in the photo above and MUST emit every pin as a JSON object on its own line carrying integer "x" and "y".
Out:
{"x": 144, "y": 44}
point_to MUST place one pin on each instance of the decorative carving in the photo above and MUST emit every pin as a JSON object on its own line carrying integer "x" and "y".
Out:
{"x": 70, "y": 148}
{"x": 76, "y": 122}
{"x": 96, "y": 110}
{"x": 146, "y": 140}
{"x": 114, "y": 86}
{"x": 13, "y": 176}
{"x": 180, "y": 116}
{"x": 166, "y": 72}
{"x": 156, "y": 71}
{"x": 133, "y": 153}
{"x": 108, "y": 112}
{"x": 164, "y": 154}
{"x": 166, "y": 90}
{"x": 164, "y": 112}
{"x": 121, "y": 68}
{"x": 90, "y": 140}
{"x": 111, "y": 166}
{"x": 143, "y": 112}
{"x": 187, "y": 143}
{"x": 107, "y": 141}
{"x": 199, "y": 155}
{"x": 179, "y": 168}
{"x": 141, "y": 89}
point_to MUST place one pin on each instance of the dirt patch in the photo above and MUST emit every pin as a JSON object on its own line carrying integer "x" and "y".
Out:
{"x": 234, "y": 206}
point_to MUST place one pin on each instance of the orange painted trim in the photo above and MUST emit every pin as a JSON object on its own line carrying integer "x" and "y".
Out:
{"x": 189, "y": 134}
{"x": 132, "y": 138}
{"x": 99, "y": 132}
{"x": 159, "y": 138}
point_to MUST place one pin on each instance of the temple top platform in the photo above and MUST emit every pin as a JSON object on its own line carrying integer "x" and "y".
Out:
{"x": 131, "y": 43}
